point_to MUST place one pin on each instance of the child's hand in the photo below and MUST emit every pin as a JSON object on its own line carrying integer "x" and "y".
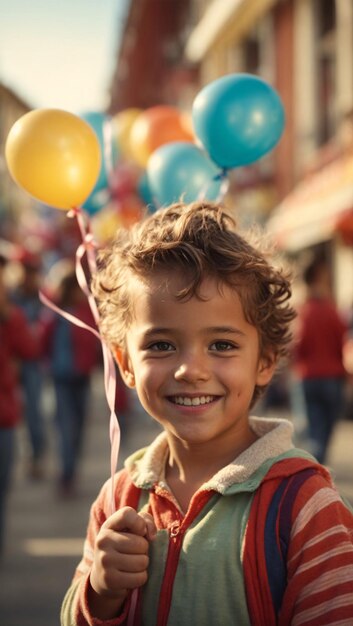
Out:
{"x": 120, "y": 559}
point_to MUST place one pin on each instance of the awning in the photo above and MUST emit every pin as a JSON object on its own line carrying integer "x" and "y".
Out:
{"x": 224, "y": 19}
{"x": 310, "y": 213}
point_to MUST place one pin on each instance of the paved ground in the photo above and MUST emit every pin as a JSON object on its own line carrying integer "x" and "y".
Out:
{"x": 45, "y": 533}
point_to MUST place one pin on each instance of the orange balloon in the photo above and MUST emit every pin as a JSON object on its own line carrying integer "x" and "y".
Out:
{"x": 55, "y": 156}
{"x": 153, "y": 128}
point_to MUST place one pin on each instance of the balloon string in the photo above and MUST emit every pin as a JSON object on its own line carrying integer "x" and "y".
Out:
{"x": 86, "y": 236}
{"x": 109, "y": 385}
{"x": 221, "y": 176}
{"x": 223, "y": 189}
{"x": 108, "y": 149}
{"x": 133, "y": 605}
{"x": 88, "y": 247}
{"x": 68, "y": 316}
{"x": 82, "y": 281}
{"x": 109, "y": 367}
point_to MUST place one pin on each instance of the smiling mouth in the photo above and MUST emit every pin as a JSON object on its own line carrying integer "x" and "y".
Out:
{"x": 195, "y": 401}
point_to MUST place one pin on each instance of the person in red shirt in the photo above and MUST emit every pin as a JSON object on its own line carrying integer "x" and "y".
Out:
{"x": 25, "y": 295}
{"x": 318, "y": 357}
{"x": 17, "y": 342}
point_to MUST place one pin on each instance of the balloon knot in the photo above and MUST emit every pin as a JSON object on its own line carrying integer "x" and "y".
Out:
{"x": 222, "y": 174}
{"x": 74, "y": 211}
{"x": 89, "y": 241}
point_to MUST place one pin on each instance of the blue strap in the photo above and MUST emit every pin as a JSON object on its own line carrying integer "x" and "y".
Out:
{"x": 277, "y": 533}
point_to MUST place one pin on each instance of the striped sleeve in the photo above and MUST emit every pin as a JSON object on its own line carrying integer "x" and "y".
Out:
{"x": 75, "y": 609}
{"x": 319, "y": 589}
{"x": 97, "y": 518}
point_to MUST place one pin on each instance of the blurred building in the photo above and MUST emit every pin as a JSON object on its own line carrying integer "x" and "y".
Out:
{"x": 303, "y": 190}
{"x": 151, "y": 67}
{"x": 25, "y": 223}
{"x": 13, "y": 201}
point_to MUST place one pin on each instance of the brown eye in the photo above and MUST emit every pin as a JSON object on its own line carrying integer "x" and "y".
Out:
{"x": 222, "y": 346}
{"x": 161, "y": 346}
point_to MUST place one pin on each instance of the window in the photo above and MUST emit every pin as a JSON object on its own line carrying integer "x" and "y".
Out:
{"x": 326, "y": 62}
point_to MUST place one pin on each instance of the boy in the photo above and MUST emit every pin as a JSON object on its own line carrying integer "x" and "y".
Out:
{"x": 220, "y": 520}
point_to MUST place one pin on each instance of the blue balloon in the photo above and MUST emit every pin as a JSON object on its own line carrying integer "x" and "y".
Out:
{"x": 181, "y": 171}
{"x": 238, "y": 118}
{"x": 101, "y": 124}
{"x": 96, "y": 201}
{"x": 145, "y": 193}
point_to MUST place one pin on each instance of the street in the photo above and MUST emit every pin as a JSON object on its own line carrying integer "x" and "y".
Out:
{"x": 45, "y": 533}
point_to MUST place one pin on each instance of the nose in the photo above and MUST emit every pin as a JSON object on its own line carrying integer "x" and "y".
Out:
{"x": 192, "y": 368}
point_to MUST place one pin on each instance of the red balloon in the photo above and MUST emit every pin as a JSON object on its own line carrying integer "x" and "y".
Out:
{"x": 130, "y": 210}
{"x": 123, "y": 180}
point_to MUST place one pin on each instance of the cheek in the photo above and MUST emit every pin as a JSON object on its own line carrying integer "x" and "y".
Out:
{"x": 232, "y": 371}
{"x": 241, "y": 377}
{"x": 147, "y": 376}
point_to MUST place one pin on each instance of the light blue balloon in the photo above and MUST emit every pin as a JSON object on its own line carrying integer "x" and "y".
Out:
{"x": 96, "y": 201}
{"x": 238, "y": 119}
{"x": 181, "y": 171}
{"x": 145, "y": 193}
{"x": 101, "y": 124}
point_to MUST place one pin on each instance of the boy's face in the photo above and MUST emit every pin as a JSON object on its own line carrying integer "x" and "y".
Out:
{"x": 194, "y": 363}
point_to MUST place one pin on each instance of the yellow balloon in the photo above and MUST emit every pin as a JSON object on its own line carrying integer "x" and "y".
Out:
{"x": 55, "y": 156}
{"x": 105, "y": 224}
{"x": 122, "y": 124}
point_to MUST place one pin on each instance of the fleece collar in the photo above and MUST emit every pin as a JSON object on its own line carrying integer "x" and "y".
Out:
{"x": 275, "y": 441}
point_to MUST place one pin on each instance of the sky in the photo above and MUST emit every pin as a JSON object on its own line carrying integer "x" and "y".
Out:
{"x": 60, "y": 53}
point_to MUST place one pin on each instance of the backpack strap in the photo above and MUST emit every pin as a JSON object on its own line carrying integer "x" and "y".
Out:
{"x": 267, "y": 537}
{"x": 278, "y": 526}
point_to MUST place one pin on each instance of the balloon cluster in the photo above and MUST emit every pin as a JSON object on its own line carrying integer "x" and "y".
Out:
{"x": 152, "y": 157}
{"x": 237, "y": 119}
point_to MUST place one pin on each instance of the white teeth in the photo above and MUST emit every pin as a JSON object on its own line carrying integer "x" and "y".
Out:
{"x": 186, "y": 401}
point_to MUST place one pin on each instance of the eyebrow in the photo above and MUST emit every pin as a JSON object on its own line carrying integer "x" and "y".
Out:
{"x": 152, "y": 332}
{"x": 225, "y": 329}
{"x": 228, "y": 330}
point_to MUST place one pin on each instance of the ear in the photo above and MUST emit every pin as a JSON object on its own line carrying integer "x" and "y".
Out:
{"x": 125, "y": 367}
{"x": 266, "y": 368}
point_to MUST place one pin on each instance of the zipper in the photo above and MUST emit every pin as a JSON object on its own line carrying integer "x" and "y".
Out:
{"x": 177, "y": 531}
{"x": 175, "y": 542}
{"x": 174, "y": 529}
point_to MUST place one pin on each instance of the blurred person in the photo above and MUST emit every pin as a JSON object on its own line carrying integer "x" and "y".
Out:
{"x": 318, "y": 357}
{"x": 276, "y": 397}
{"x": 26, "y": 296}
{"x": 17, "y": 342}
{"x": 348, "y": 363}
{"x": 122, "y": 403}
{"x": 72, "y": 354}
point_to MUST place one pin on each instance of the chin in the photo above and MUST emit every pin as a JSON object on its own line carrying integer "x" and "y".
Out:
{"x": 192, "y": 437}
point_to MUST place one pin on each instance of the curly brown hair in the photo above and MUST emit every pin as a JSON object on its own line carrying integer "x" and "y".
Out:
{"x": 198, "y": 240}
